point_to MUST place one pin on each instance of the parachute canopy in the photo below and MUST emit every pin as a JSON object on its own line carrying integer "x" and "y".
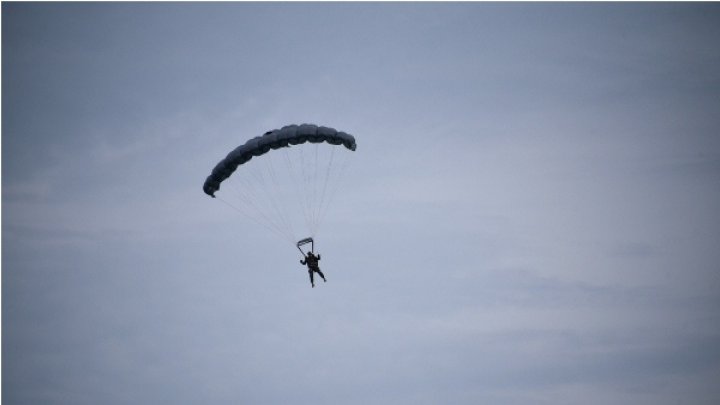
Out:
{"x": 294, "y": 174}
{"x": 275, "y": 139}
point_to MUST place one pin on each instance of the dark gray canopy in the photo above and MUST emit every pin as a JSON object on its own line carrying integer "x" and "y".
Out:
{"x": 275, "y": 139}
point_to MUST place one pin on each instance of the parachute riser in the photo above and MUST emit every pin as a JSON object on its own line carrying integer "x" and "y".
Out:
{"x": 305, "y": 242}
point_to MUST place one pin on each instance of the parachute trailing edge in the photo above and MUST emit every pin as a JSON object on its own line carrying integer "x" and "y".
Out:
{"x": 275, "y": 139}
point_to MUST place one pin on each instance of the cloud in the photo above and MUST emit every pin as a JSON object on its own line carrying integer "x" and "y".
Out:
{"x": 529, "y": 217}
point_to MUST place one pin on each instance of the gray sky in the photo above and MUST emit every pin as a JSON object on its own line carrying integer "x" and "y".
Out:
{"x": 530, "y": 217}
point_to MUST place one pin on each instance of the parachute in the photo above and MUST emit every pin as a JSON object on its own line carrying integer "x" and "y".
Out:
{"x": 284, "y": 175}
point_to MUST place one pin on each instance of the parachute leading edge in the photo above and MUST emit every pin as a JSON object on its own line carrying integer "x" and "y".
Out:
{"x": 275, "y": 139}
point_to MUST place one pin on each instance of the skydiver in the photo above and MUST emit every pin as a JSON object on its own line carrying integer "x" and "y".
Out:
{"x": 312, "y": 264}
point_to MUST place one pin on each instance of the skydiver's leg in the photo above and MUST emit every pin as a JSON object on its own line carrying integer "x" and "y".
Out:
{"x": 321, "y": 274}
{"x": 311, "y": 278}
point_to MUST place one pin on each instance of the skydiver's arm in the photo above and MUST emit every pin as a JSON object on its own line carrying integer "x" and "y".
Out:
{"x": 302, "y": 261}
{"x": 318, "y": 256}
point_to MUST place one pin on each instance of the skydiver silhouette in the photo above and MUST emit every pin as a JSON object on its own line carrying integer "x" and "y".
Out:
{"x": 312, "y": 264}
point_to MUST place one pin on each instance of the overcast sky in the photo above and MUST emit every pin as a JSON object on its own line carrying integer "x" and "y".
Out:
{"x": 531, "y": 215}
